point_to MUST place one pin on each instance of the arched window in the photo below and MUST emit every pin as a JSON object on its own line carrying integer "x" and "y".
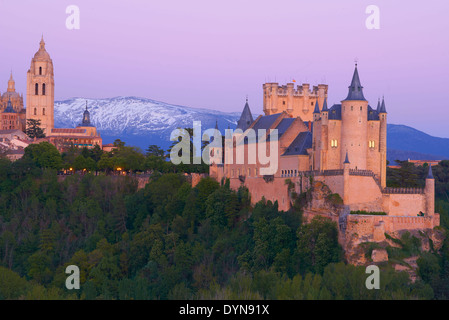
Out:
{"x": 40, "y": 71}
{"x": 43, "y": 111}
{"x": 36, "y": 89}
{"x": 43, "y": 89}
{"x": 35, "y": 111}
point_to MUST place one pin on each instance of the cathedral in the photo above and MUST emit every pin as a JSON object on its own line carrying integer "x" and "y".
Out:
{"x": 341, "y": 149}
{"x": 12, "y": 109}
{"x": 40, "y": 95}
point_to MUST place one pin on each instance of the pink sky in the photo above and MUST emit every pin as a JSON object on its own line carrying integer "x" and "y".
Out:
{"x": 212, "y": 54}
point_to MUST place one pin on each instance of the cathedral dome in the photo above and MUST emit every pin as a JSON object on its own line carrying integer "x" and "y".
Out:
{"x": 42, "y": 54}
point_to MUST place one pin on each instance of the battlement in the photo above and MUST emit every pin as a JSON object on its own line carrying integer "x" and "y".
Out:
{"x": 403, "y": 190}
{"x": 289, "y": 89}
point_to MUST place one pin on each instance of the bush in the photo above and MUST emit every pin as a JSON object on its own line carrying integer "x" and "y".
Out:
{"x": 371, "y": 213}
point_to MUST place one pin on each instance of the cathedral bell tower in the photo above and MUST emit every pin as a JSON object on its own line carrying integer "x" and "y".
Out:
{"x": 40, "y": 89}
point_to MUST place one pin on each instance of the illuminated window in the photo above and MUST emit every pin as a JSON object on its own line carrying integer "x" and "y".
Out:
{"x": 371, "y": 144}
{"x": 334, "y": 143}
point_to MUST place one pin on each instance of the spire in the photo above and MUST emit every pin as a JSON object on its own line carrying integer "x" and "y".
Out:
{"x": 382, "y": 107}
{"x": 430, "y": 174}
{"x": 347, "y": 158}
{"x": 9, "y": 108}
{"x": 246, "y": 118}
{"x": 325, "y": 105}
{"x": 317, "y": 107}
{"x": 378, "y": 106}
{"x": 11, "y": 84}
{"x": 355, "y": 89}
{"x": 42, "y": 43}
{"x": 86, "y": 118}
{"x": 216, "y": 124}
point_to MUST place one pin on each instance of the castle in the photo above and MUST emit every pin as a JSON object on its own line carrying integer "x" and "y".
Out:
{"x": 40, "y": 106}
{"x": 337, "y": 150}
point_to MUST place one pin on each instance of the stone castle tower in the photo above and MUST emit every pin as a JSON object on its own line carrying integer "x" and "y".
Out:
{"x": 299, "y": 102}
{"x": 353, "y": 128}
{"x": 40, "y": 89}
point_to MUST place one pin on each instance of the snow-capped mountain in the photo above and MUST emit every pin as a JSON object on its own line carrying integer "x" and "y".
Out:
{"x": 138, "y": 121}
{"x": 141, "y": 122}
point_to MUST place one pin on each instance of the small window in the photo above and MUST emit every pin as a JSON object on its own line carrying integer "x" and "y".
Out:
{"x": 43, "y": 111}
{"x": 352, "y": 108}
{"x": 360, "y": 108}
{"x": 43, "y": 89}
{"x": 35, "y": 111}
{"x": 36, "y": 89}
{"x": 40, "y": 71}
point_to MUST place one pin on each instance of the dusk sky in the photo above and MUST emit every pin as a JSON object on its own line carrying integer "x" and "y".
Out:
{"x": 211, "y": 54}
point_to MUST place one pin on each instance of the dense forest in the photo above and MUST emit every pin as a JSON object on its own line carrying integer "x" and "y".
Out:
{"x": 171, "y": 241}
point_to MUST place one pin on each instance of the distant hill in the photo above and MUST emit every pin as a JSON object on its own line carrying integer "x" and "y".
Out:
{"x": 408, "y": 143}
{"x": 141, "y": 122}
{"x": 393, "y": 154}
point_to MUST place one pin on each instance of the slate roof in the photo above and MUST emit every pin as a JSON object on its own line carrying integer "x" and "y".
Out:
{"x": 372, "y": 114}
{"x": 382, "y": 107}
{"x": 265, "y": 122}
{"x": 246, "y": 119}
{"x": 355, "y": 89}
{"x": 284, "y": 125}
{"x": 9, "y": 108}
{"x": 335, "y": 112}
{"x": 300, "y": 145}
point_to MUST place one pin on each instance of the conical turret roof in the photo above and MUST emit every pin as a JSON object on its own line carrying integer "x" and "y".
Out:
{"x": 246, "y": 119}
{"x": 355, "y": 89}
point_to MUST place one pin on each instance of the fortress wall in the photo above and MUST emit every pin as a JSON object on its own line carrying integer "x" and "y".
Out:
{"x": 404, "y": 204}
{"x": 368, "y": 227}
{"x": 335, "y": 183}
{"x": 364, "y": 193}
{"x": 274, "y": 190}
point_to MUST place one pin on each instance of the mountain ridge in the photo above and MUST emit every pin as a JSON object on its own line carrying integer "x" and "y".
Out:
{"x": 143, "y": 121}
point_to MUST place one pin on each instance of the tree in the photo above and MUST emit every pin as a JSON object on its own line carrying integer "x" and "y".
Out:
{"x": 44, "y": 155}
{"x": 318, "y": 245}
{"x": 154, "y": 150}
{"x": 106, "y": 163}
{"x": 34, "y": 129}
